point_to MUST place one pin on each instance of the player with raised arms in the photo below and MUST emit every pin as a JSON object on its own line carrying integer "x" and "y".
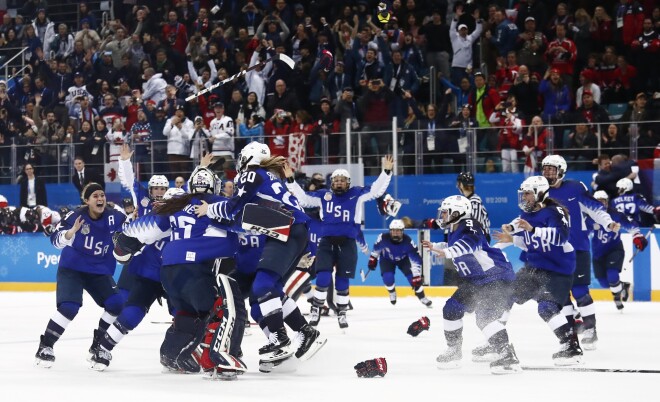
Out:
{"x": 485, "y": 290}
{"x": 86, "y": 263}
{"x": 261, "y": 197}
{"x": 341, "y": 215}
{"x": 574, "y": 195}
{"x": 397, "y": 249}
{"x": 542, "y": 230}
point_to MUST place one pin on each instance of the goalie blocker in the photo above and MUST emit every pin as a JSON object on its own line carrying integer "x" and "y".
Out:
{"x": 267, "y": 221}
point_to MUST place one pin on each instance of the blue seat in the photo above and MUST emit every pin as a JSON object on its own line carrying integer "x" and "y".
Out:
{"x": 616, "y": 110}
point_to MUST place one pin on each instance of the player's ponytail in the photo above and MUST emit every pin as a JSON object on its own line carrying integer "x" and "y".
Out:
{"x": 174, "y": 204}
{"x": 275, "y": 164}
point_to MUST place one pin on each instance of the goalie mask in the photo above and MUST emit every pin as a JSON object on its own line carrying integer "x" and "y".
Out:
{"x": 396, "y": 230}
{"x": 624, "y": 185}
{"x": 532, "y": 191}
{"x": 158, "y": 185}
{"x": 202, "y": 181}
{"x": 388, "y": 205}
{"x": 340, "y": 181}
{"x": 555, "y": 175}
{"x": 453, "y": 210}
{"x": 252, "y": 155}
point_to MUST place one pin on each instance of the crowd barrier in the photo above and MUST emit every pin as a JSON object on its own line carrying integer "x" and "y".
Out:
{"x": 28, "y": 262}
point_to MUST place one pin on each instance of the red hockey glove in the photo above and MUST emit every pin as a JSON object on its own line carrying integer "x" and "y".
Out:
{"x": 640, "y": 242}
{"x": 373, "y": 262}
{"x": 372, "y": 368}
{"x": 418, "y": 326}
{"x": 416, "y": 281}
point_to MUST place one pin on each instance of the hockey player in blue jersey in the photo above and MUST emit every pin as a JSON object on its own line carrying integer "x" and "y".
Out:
{"x": 397, "y": 249}
{"x": 341, "y": 214}
{"x": 632, "y": 204}
{"x": 208, "y": 306}
{"x": 145, "y": 289}
{"x": 576, "y": 198}
{"x": 485, "y": 288}
{"x": 542, "y": 230}
{"x": 259, "y": 181}
{"x": 608, "y": 253}
{"x": 86, "y": 263}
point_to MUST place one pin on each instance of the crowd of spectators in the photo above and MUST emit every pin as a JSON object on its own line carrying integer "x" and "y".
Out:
{"x": 508, "y": 68}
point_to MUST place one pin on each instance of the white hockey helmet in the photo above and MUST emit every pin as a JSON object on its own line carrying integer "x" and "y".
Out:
{"x": 624, "y": 185}
{"x": 559, "y": 163}
{"x": 602, "y": 196}
{"x": 252, "y": 154}
{"x": 539, "y": 186}
{"x": 157, "y": 180}
{"x": 455, "y": 209}
{"x": 173, "y": 192}
{"x": 396, "y": 230}
{"x": 202, "y": 181}
{"x": 337, "y": 174}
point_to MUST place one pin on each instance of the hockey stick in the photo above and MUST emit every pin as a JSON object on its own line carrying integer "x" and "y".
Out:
{"x": 282, "y": 57}
{"x": 648, "y": 234}
{"x": 589, "y": 370}
{"x": 364, "y": 276}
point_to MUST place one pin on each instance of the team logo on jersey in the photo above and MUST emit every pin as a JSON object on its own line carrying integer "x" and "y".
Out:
{"x": 327, "y": 196}
{"x": 144, "y": 202}
{"x": 85, "y": 229}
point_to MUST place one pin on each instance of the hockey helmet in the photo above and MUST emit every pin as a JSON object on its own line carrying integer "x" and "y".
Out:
{"x": 173, "y": 192}
{"x": 252, "y": 154}
{"x": 159, "y": 183}
{"x": 602, "y": 196}
{"x": 396, "y": 230}
{"x": 537, "y": 185}
{"x": 202, "y": 181}
{"x": 454, "y": 209}
{"x": 3, "y": 201}
{"x": 465, "y": 178}
{"x": 624, "y": 185}
{"x": 340, "y": 181}
{"x": 559, "y": 163}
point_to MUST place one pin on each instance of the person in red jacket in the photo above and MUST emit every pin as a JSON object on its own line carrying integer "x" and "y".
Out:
{"x": 483, "y": 100}
{"x": 175, "y": 34}
{"x": 277, "y": 130}
{"x": 629, "y": 21}
{"x": 561, "y": 54}
{"x": 507, "y": 117}
{"x": 533, "y": 145}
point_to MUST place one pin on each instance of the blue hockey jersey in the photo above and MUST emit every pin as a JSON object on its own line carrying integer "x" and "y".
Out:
{"x": 90, "y": 249}
{"x": 548, "y": 247}
{"x": 385, "y": 248}
{"x": 250, "y": 247}
{"x": 147, "y": 264}
{"x": 604, "y": 242}
{"x": 341, "y": 214}
{"x": 632, "y": 205}
{"x": 257, "y": 185}
{"x": 576, "y": 198}
{"x": 139, "y": 193}
{"x": 192, "y": 239}
{"x": 473, "y": 257}
{"x": 314, "y": 227}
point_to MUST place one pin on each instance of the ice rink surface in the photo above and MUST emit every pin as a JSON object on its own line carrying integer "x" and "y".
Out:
{"x": 377, "y": 329}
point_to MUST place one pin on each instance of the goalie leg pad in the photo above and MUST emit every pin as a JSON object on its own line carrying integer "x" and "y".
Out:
{"x": 298, "y": 281}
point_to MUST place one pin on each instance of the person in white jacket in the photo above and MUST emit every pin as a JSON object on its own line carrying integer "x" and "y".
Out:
{"x": 179, "y": 131}
{"x": 461, "y": 44}
{"x": 154, "y": 88}
{"x": 256, "y": 79}
{"x": 222, "y": 135}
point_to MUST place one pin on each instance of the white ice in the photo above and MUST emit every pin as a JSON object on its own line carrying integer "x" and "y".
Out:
{"x": 377, "y": 329}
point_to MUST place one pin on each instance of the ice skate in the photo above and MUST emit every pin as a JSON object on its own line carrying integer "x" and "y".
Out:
{"x": 341, "y": 318}
{"x": 625, "y": 291}
{"x": 100, "y": 359}
{"x": 450, "y": 358}
{"x": 484, "y": 353}
{"x": 426, "y": 301}
{"x": 45, "y": 357}
{"x": 96, "y": 344}
{"x": 392, "y": 296}
{"x": 310, "y": 343}
{"x": 507, "y": 363}
{"x": 314, "y": 316}
{"x": 617, "y": 300}
{"x": 589, "y": 339}
{"x": 570, "y": 353}
{"x": 247, "y": 331}
{"x": 276, "y": 351}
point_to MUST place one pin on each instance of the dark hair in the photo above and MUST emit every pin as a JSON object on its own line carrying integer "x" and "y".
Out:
{"x": 174, "y": 204}
{"x": 602, "y": 157}
{"x": 548, "y": 202}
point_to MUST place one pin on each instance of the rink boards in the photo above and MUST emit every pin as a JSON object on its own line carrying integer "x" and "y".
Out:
{"x": 28, "y": 262}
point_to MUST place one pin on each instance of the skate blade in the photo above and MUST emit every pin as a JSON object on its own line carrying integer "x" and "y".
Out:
{"x": 502, "y": 370}
{"x": 98, "y": 366}
{"x": 449, "y": 365}
{"x": 487, "y": 358}
{"x": 316, "y": 346}
{"x": 272, "y": 358}
{"x": 43, "y": 363}
{"x": 590, "y": 346}
{"x": 283, "y": 366}
{"x": 220, "y": 376}
{"x": 571, "y": 361}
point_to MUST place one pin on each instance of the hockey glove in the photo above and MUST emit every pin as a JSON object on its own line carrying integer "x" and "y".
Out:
{"x": 125, "y": 247}
{"x": 418, "y": 326}
{"x": 372, "y": 368}
{"x": 430, "y": 223}
{"x": 416, "y": 281}
{"x": 640, "y": 242}
{"x": 373, "y": 262}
